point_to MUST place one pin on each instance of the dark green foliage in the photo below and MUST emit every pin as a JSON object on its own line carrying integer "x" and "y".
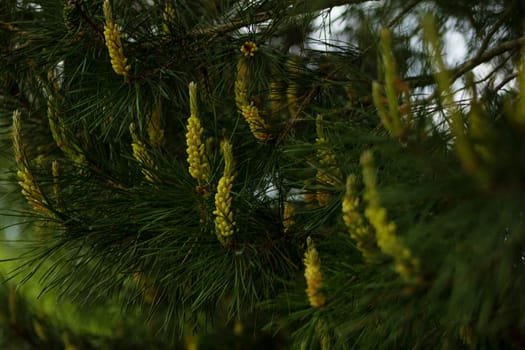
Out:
{"x": 138, "y": 234}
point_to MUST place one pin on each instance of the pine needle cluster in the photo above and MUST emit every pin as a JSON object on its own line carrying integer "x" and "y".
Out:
{"x": 187, "y": 209}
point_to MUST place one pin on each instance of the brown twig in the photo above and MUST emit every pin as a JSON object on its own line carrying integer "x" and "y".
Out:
{"x": 403, "y": 12}
{"x": 9, "y": 26}
{"x": 94, "y": 26}
{"x": 505, "y": 81}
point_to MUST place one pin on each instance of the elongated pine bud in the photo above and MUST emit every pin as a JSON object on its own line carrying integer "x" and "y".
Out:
{"x": 248, "y": 110}
{"x": 168, "y": 17}
{"x": 396, "y": 118}
{"x": 328, "y": 174}
{"x": 61, "y": 138}
{"x": 224, "y": 221}
{"x": 359, "y": 231}
{"x": 56, "y": 185}
{"x": 241, "y": 85}
{"x": 377, "y": 96}
{"x": 199, "y": 167}
{"x": 142, "y": 156}
{"x": 390, "y": 85}
{"x": 406, "y": 265}
{"x": 30, "y": 189}
{"x": 288, "y": 213}
{"x": 256, "y": 123}
{"x": 313, "y": 276}
{"x": 464, "y": 149}
{"x": 40, "y": 330}
{"x": 155, "y": 129}
{"x": 114, "y": 44}
{"x": 324, "y": 335}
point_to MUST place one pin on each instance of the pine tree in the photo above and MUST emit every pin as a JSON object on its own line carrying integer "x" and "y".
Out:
{"x": 218, "y": 175}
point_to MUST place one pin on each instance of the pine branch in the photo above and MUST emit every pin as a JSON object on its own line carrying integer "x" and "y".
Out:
{"x": 299, "y": 8}
{"x": 321, "y": 5}
{"x": 95, "y": 27}
{"x": 505, "y": 81}
{"x": 488, "y": 38}
{"x": 479, "y": 58}
{"x": 403, "y": 13}
{"x": 153, "y": 244}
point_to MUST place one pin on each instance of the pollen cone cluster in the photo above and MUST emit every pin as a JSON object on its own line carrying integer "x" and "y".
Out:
{"x": 257, "y": 126}
{"x": 199, "y": 167}
{"x": 224, "y": 222}
{"x": 241, "y": 85}
{"x": 249, "y": 48}
{"x": 168, "y": 17}
{"x": 114, "y": 44}
{"x": 30, "y": 188}
{"x": 313, "y": 276}
{"x": 247, "y": 109}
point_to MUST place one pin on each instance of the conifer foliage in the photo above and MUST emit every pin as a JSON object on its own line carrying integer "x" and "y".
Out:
{"x": 266, "y": 174}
